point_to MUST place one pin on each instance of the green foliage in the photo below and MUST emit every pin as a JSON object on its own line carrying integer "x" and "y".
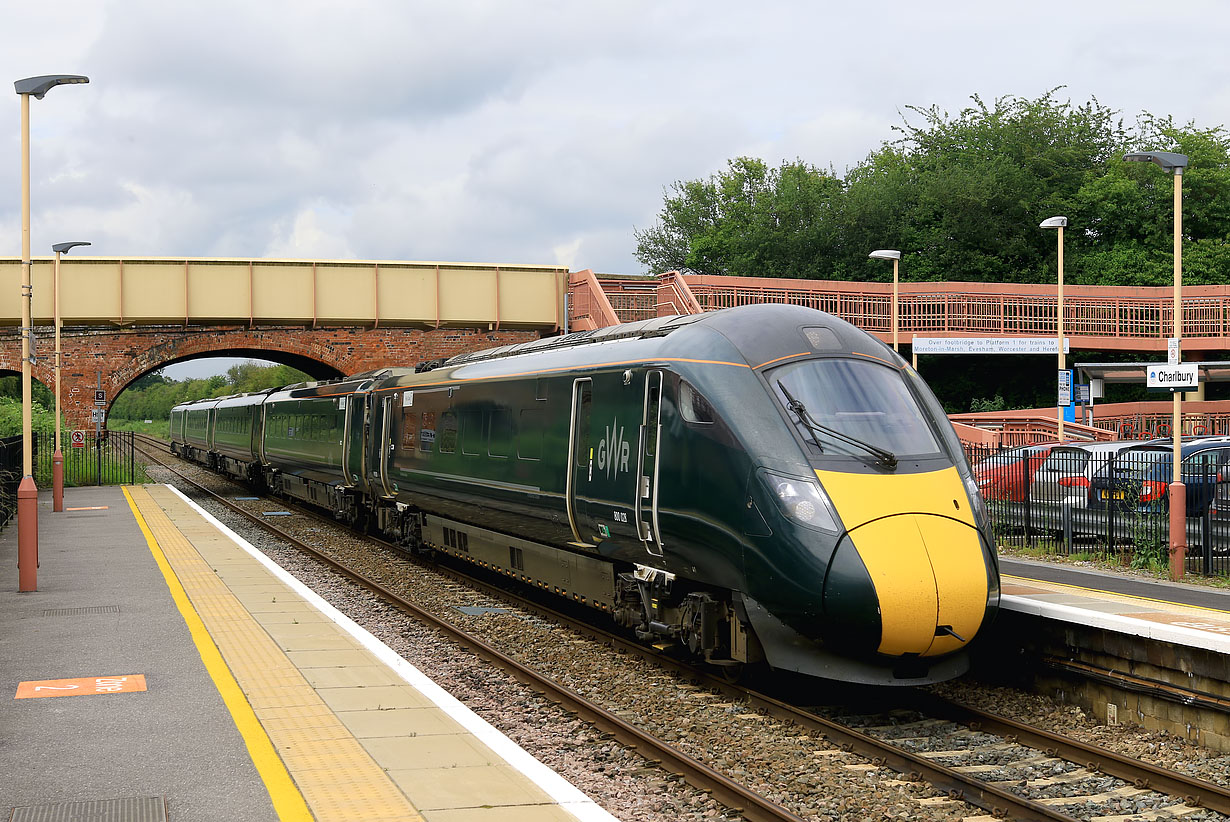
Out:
{"x": 11, "y": 387}
{"x": 153, "y": 396}
{"x": 961, "y": 196}
{"x": 979, "y": 405}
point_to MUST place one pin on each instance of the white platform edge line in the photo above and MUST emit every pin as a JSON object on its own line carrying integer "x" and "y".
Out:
{"x": 572, "y": 798}
{"x": 1191, "y": 637}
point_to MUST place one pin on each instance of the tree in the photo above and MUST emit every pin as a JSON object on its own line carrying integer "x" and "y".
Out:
{"x": 961, "y": 196}
{"x": 750, "y": 219}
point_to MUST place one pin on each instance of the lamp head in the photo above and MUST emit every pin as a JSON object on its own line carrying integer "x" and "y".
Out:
{"x": 1166, "y": 159}
{"x": 885, "y": 254}
{"x": 38, "y": 86}
{"x": 1053, "y": 222}
{"x": 64, "y": 247}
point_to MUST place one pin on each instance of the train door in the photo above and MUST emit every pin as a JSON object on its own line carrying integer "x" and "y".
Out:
{"x": 385, "y": 444}
{"x": 646, "y": 505}
{"x": 354, "y": 452}
{"x": 580, "y": 454}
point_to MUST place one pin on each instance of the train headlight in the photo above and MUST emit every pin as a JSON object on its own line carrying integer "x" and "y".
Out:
{"x": 977, "y": 504}
{"x": 802, "y": 501}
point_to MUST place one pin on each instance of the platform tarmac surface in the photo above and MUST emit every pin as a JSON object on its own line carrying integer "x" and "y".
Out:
{"x": 1174, "y": 612}
{"x": 114, "y": 709}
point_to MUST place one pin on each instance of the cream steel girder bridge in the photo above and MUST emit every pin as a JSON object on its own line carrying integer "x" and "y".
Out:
{"x": 113, "y": 291}
{"x": 125, "y": 316}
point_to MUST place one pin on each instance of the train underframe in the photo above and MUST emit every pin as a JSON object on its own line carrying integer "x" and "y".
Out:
{"x": 708, "y": 624}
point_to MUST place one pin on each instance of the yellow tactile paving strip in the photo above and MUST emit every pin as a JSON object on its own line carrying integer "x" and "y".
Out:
{"x": 338, "y": 778}
{"x": 1022, "y": 586}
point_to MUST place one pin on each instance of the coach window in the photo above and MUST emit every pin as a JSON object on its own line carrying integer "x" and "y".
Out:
{"x": 502, "y": 433}
{"x": 529, "y": 434}
{"x": 446, "y": 436}
{"x": 472, "y": 431}
{"x": 427, "y": 431}
{"x": 408, "y": 431}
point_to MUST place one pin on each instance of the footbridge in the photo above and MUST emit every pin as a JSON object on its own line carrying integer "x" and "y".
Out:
{"x": 123, "y": 317}
{"x": 126, "y": 316}
{"x": 1096, "y": 318}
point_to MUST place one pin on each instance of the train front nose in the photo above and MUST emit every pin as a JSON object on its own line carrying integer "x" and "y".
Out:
{"x": 922, "y": 575}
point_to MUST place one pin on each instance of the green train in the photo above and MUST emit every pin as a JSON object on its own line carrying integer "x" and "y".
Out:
{"x": 763, "y": 483}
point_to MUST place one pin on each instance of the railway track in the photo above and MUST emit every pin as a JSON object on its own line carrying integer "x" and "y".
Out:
{"x": 1003, "y": 767}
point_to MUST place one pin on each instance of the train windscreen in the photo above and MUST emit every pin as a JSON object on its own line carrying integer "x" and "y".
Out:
{"x": 840, "y": 406}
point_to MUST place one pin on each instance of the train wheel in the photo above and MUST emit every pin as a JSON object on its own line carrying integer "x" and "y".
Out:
{"x": 729, "y": 670}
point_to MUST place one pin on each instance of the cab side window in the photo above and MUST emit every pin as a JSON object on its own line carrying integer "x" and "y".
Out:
{"x": 693, "y": 407}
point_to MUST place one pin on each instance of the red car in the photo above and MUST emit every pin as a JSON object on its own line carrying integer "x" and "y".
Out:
{"x": 1006, "y": 476}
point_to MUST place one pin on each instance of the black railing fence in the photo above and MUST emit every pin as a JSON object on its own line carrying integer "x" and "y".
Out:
{"x": 1108, "y": 500}
{"x": 10, "y": 477}
{"x": 107, "y": 459}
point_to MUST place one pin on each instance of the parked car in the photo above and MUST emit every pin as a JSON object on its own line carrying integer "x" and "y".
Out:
{"x": 1006, "y": 476}
{"x": 1068, "y": 471}
{"x": 1138, "y": 478}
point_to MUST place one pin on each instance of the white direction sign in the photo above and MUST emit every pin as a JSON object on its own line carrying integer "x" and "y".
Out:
{"x": 989, "y": 345}
{"x": 1183, "y": 377}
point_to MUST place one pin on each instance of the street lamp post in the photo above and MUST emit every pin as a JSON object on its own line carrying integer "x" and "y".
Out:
{"x": 1059, "y": 223}
{"x": 57, "y": 461}
{"x": 27, "y": 492}
{"x": 1174, "y": 163}
{"x": 895, "y": 256}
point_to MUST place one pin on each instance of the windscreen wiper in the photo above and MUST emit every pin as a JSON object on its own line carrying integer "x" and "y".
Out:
{"x": 886, "y": 458}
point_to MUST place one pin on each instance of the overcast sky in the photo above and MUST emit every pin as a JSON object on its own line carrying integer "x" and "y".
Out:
{"x": 505, "y": 132}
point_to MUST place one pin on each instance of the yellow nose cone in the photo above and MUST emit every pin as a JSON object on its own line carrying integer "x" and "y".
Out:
{"x": 928, "y": 571}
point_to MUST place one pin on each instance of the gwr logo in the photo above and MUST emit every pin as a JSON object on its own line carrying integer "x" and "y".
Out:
{"x": 613, "y": 451}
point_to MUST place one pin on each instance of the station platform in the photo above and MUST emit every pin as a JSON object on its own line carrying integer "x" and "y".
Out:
{"x": 165, "y": 669}
{"x": 1185, "y": 615}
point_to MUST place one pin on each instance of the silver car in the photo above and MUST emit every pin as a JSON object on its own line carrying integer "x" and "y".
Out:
{"x": 1066, "y": 474}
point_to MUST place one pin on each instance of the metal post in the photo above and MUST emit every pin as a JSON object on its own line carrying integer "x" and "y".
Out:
{"x": 57, "y": 460}
{"x": 27, "y": 492}
{"x": 98, "y": 441}
{"x": 896, "y": 263}
{"x": 1062, "y": 359}
{"x": 1178, "y": 498}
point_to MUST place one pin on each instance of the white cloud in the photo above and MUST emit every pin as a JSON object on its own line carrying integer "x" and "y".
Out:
{"x": 514, "y": 132}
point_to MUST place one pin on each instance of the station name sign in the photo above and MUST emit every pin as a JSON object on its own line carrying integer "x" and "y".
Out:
{"x": 1183, "y": 377}
{"x": 989, "y": 345}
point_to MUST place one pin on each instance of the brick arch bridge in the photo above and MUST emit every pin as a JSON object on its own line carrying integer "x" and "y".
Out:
{"x": 124, "y": 355}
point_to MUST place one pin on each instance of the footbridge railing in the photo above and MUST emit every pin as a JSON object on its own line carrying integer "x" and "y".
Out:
{"x": 1106, "y": 318}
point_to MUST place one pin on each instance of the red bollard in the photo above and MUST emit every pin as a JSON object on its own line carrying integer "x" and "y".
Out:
{"x": 57, "y": 481}
{"x": 1178, "y": 530}
{"x": 27, "y": 535}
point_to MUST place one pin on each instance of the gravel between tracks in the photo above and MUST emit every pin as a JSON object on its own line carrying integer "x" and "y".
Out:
{"x": 792, "y": 767}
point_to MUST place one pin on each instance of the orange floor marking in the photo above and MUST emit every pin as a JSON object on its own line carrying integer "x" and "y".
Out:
{"x": 85, "y": 686}
{"x": 90, "y": 508}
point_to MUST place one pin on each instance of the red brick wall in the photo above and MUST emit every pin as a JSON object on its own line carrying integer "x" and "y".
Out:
{"x": 123, "y": 355}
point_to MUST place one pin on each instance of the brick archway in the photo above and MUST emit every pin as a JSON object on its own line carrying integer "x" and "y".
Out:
{"x": 123, "y": 355}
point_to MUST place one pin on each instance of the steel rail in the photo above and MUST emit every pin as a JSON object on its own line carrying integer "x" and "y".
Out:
{"x": 1195, "y": 792}
{"x": 738, "y": 797}
{"x": 956, "y": 784}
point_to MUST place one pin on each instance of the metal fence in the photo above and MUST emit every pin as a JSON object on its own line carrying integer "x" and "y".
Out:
{"x": 1107, "y": 501}
{"x": 108, "y": 458}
